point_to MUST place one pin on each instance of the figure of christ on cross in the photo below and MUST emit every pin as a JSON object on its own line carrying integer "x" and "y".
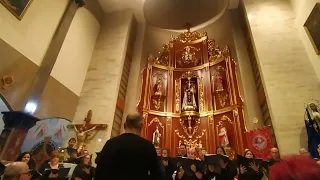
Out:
{"x": 83, "y": 131}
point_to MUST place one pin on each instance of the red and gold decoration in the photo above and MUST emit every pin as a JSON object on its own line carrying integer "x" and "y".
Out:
{"x": 190, "y": 95}
{"x": 259, "y": 141}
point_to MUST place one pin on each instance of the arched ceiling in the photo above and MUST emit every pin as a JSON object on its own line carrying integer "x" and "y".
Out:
{"x": 177, "y": 14}
{"x": 153, "y": 7}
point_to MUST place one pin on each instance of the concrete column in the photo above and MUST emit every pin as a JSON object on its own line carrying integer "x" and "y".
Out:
{"x": 101, "y": 86}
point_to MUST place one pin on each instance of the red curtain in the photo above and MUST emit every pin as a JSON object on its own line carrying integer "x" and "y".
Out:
{"x": 260, "y": 142}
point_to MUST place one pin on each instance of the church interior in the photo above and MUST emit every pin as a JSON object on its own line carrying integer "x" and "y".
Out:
{"x": 238, "y": 74}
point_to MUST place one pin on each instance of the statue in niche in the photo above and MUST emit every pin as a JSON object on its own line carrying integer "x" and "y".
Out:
{"x": 158, "y": 87}
{"x": 189, "y": 98}
{"x": 312, "y": 122}
{"x": 156, "y": 136}
{"x": 217, "y": 82}
{"x": 223, "y": 137}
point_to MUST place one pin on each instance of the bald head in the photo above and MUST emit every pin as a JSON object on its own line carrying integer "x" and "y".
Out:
{"x": 133, "y": 122}
{"x": 275, "y": 153}
{"x": 16, "y": 171}
{"x": 304, "y": 151}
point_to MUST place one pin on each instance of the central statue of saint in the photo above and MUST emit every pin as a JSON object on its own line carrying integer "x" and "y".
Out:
{"x": 189, "y": 99}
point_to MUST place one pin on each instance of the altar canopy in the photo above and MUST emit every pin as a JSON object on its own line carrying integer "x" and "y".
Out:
{"x": 190, "y": 95}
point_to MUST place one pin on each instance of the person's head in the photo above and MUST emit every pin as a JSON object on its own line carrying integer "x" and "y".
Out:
{"x": 54, "y": 158}
{"x": 248, "y": 154}
{"x": 134, "y": 123}
{"x": 74, "y": 154}
{"x": 165, "y": 152}
{"x": 158, "y": 150}
{"x": 17, "y": 171}
{"x": 192, "y": 153}
{"x": 72, "y": 142}
{"x": 24, "y": 157}
{"x": 275, "y": 153}
{"x": 86, "y": 159}
{"x": 295, "y": 168}
{"x": 183, "y": 149}
{"x": 304, "y": 151}
{"x": 203, "y": 152}
{"x": 221, "y": 151}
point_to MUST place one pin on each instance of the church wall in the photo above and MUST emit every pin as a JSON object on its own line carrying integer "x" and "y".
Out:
{"x": 303, "y": 10}
{"x": 56, "y": 101}
{"x": 288, "y": 76}
{"x": 101, "y": 85}
{"x": 73, "y": 61}
{"x": 32, "y": 35}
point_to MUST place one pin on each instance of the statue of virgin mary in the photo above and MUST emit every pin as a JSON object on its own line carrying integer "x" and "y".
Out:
{"x": 189, "y": 99}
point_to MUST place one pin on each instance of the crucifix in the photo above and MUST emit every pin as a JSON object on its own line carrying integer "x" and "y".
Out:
{"x": 84, "y": 130}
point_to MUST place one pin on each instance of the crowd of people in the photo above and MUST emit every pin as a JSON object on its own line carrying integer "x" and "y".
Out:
{"x": 131, "y": 157}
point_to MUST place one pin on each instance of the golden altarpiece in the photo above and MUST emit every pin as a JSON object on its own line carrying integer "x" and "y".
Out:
{"x": 190, "y": 95}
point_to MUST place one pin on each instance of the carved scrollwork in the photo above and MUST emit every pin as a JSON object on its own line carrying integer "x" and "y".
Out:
{"x": 188, "y": 36}
{"x": 224, "y": 118}
{"x": 190, "y": 130}
{"x": 188, "y": 75}
{"x": 169, "y": 120}
{"x": 189, "y": 56}
{"x": 210, "y": 118}
{"x": 156, "y": 120}
{"x": 215, "y": 52}
{"x": 222, "y": 98}
{"x": 177, "y": 88}
{"x": 201, "y": 95}
{"x": 163, "y": 56}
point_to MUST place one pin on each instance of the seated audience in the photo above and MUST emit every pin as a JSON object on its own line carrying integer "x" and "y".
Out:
{"x": 255, "y": 174}
{"x": 17, "y": 171}
{"x": 295, "y": 168}
{"x": 84, "y": 170}
{"x": 26, "y": 157}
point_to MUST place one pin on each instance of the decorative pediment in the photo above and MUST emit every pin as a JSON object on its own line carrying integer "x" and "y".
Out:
{"x": 215, "y": 52}
{"x": 188, "y": 36}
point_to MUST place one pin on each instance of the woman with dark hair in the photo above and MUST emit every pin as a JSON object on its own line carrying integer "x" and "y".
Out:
{"x": 26, "y": 157}
{"x": 168, "y": 165}
{"x": 228, "y": 169}
{"x": 84, "y": 170}
{"x": 254, "y": 173}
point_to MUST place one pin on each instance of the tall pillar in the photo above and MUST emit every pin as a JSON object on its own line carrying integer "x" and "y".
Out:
{"x": 52, "y": 53}
{"x": 101, "y": 86}
{"x": 288, "y": 76}
{"x": 134, "y": 81}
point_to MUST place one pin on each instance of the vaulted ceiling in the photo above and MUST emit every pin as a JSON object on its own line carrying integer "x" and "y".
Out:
{"x": 172, "y": 14}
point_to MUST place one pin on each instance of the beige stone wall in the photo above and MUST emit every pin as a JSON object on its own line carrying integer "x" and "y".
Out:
{"x": 31, "y": 36}
{"x": 101, "y": 86}
{"x": 246, "y": 80}
{"x": 287, "y": 73}
{"x": 75, "y": 54}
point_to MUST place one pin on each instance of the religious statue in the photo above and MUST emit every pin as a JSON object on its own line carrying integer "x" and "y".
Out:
{"x": 312, "y": 121}
{"x": 217, "y": 82}
{"x": 223, "y": 137}
{"x": 158, "y": 87}
{"x": 83, "y": 131}
{"x": 156, "y": 137}
{"x": 189, "y": 99}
